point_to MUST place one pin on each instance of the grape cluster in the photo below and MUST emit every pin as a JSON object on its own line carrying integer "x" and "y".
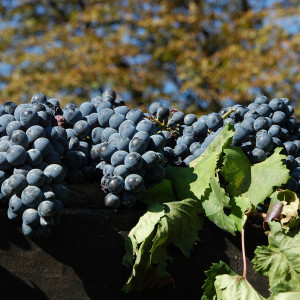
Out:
{"x": 102, "y": 140}
{"x": 260, "y": 127}
{"x": 186, "y": 136}
{"x": 123, "y": 150}
{"x": 264, "y": 125}
{"x": 128, "y": 150}
{"x": 30, "y": 172}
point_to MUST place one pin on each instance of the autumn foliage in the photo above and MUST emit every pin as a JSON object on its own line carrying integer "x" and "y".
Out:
{"x": 197, "y": 54}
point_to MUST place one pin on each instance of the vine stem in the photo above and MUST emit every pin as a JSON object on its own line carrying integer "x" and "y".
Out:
{"x": 228, "y": 113}
{"x": 244, "y": 254}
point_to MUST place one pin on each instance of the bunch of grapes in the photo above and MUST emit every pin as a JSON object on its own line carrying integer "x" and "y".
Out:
{"x": 30, "y": 172}
{"x": 264, "y": 125}
{"x": 260, "y": 127}
{"x": 127, "y": 149}
{"x": 186, "y": 136}
{"x": 123, "y": 150}
{"x": 42, "y": 145}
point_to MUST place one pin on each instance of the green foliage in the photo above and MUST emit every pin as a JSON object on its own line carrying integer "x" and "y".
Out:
{"x": 221, "y": 268}
{"x": 207, "y": 50}
{"x": 228, "y": 286}
{"x": 221, "y": 141}
{"x": 280, "y": 260}
{"x": 214, "y": 206}
{"x": 265, "y": 176}
{"x": 174, "y": 223}
{"x": 223, "y": 283}
{"x": 236, "y": 171}
{"x": 287, "y": 296}
{"x": 160, "y": 193}
{"x": 239, "y": 206}
{"x": 221, "y": 179}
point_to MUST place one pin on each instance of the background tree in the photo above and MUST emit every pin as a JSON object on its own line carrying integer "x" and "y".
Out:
{"x": 197, "y": 54}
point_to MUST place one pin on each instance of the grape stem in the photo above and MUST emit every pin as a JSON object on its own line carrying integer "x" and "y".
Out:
{"x": 228, "y": 113}
{"x": 244, "y": 254}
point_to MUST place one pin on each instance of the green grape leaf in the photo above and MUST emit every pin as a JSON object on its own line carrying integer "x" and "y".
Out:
{"x": 162, "y": 192}
{"x": 141, "y": 269}
{"x": 205, "y": 170}
{"x": 181, "y": 179}
{"x": 239, "y": 206}
{"x": 214, "y": 205}
{"x": 287, "y": 296}
{"x": 211, "y": 274}
{"x": 265, "y": 176}
{"x": 192, "y": 182}
{"x": 280, "y": 260}
{"x": 236, "y": 171}
{"x": 222, "y": 140}
{"x": 142, "y": 231}
{"x": 174, "y": 223}
{"x": 235, "y": 287}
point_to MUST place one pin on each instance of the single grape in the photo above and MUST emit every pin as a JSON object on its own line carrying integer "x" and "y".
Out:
{"x": 134, "y": 183}
{"x": 112, "y": 201}
{"x": 36, "y": 177}
{"x": 154, "y": 107}
{"x": 147, "y": 126}
{"x": 46, "y": 209}
{"x": 121, "y": 170}
{"x": 19, "y": 137}
{"x": 29, "y": 117}
{"x": 118, "y": 158}
{"x": 16, "y": 205}
{"x": 87, "y": 108}
{"x": 261, "y": 123}
{"x": 214, "y": 121}
{"x": 257, "y": 155}
{"x": 151, "y": 159}
{"x": 261, "y": 100}
{"x": 116, "y": 184}
{"x": 16, "y": 155}
{"x": 277, "y": 104}
{"x": 109, "y": 96}
{"x": 106, "y": 151}
{"x": 116, "y": 120}
{"x": 82, "y": 129}
{"x": 128, "y": 199}
{"x": 38, "y": 97}
{"x": 279, "y": 118}
{"x": 133, "y": 161}
{"x": 157, "y": 142}
{"x": 30, "y": 217}
{"x": 43, "y": 145}
{"x": 34, "y": 132}
{"x": 31, "y": 196}
{"x": 190, "y": 119}
{"x": 135, "y": 115}
{"x": 34, "y": 157}
{"x": 123, "y": 110}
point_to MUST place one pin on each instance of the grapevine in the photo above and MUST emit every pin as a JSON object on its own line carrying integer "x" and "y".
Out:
{"x": 226, "y": 167}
